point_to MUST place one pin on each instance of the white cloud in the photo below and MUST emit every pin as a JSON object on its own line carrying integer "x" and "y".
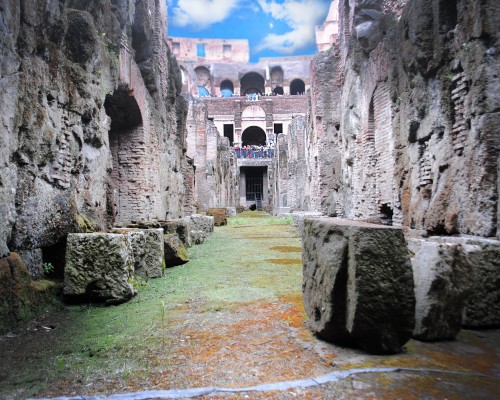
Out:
{"x": 300, "y": 15}
{"x": 202, "y": 13}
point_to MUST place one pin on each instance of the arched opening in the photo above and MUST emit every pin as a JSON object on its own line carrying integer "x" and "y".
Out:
{"x": 276, "y": 77}
{"x": 253, "y": 136}
{"x": 226, "y": 88}
{"x": 297, "y": 87}
{"x": 126, "y": 141}
{"x": 203, "y": 81}
{"x": 278, "y": 91}
{"x": 252, "y": 83}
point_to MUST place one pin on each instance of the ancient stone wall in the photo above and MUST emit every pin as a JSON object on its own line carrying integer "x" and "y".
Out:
{"x": 92, "y": 125}
{"x": 407, "y": 105}
{"x": 216, "y": 178}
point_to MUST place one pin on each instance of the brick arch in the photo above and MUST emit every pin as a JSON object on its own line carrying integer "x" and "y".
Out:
{"x": 253, "y": 136}
{"x": 203, "y": 79}
{"x": 252, "y": 82}
{"x": 374, "y": 164}
{"x": 126, "y": 142}
{"x": 297, "y": 86}
{"x": 253, "y": 112}
{"x": 227, "y": 87}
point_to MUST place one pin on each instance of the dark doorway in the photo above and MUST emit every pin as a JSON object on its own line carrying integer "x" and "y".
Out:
{"x": 297, "y": 87}
{"x": 226, "y": 88}
{"x": 254, "y": 186}
{"x": 229, "y": 132}
{"x": 253, "y": 136}
{"x": 252, "y": 83}
{"x": 278, "y": 91}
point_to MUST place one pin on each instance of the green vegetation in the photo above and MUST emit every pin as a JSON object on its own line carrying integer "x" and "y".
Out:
{"x": 236, "y": 265}
{"x": 48, "y": 268}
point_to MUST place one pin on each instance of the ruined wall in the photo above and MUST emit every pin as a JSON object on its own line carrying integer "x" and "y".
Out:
{"x": 292, "y": 166}
{"x": 406, "y": 104}
{"x": 216, "y": 177}
{"x": 92, "y": 123}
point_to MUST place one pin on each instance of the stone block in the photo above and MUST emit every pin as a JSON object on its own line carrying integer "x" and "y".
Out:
{"x": 148, "y": 251}
{"x": 231, "y": 211}
{"x": 175, "y": 252}
{"x": 204, "y": 223}
{"x": 99, "y": 266}
{"x": 219, "y": 214}
{"x": 154, "y": 252}
{"x": 358, "y": 284}
{"x": 442, "y": 284}
{"x": 299, "y": 216}
{"x": 482, "y": 307}
{"x": 179, "y": 227}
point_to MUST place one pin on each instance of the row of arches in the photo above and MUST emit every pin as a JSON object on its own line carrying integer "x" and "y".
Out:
{"x": 250, "y": 83}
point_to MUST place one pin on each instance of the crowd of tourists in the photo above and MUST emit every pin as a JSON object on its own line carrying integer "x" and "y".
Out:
{"x": 248, "y": 151}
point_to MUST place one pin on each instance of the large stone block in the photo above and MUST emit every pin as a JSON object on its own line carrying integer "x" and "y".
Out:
{"x": 299, "y": 216}
{"x": 204, "y": 223}
{"x": 358, "y": 284}
{"x": 175, "y": 252}
{"x": 99, "y": 266}
{"x": 148, "y": 251}
{"x": 482, "y": 307}
{"x": 442, "y": 284}
{"x": 154, "y": 252}
{"x": 179, "y": 227}
{"x": 219, "y": 214}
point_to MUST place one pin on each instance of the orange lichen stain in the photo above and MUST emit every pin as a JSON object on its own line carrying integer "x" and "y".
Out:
{"x": 284, "y": 261}
{"x": 287, "y": 249}
{"x": 294, "y": 314}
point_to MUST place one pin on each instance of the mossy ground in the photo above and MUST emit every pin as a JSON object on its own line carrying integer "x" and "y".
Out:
{"x": 233, "y": 317}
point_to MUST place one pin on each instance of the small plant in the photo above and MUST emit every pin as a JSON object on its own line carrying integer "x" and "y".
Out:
{"x": 137, "y": 282}
{"x": 466, "y": 46}
{"x": 48, "y": 268}
{"x": 398, "y": 100}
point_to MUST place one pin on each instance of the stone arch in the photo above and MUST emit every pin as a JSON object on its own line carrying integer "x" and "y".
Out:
{"x": 276, "y": 77}
{"x": 252, "y": 83}
{"x": 253, "y": 136}
{"x": 203, "y": 81}
{"x": 126, "y": 142}
{"x": 226, "y": 88}
{"x": 253, "y": 112}
{"x": 297, "y": 86}
{"x": 278, "y": 90}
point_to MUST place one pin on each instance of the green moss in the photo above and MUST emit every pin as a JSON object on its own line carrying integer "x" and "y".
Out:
{"x": 84, "y": 224}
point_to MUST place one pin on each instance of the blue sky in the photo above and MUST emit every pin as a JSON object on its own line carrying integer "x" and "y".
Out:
{"x": 272, "y": 27}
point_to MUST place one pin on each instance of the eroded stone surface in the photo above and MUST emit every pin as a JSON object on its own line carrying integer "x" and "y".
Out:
{"x": 442, "y": 283}
{"x": 99, "y": 266}
{"x": 358, "y": 284}
{"x": 175, "y": 252}
{"x": 219, "y": 214}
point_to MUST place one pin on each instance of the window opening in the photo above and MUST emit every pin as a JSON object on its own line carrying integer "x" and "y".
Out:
{"x": 200, "y": 50}
{"x": 229, "y": 132}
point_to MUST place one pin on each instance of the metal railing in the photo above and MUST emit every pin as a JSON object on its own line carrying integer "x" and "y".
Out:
{"x": 254, "y": 152}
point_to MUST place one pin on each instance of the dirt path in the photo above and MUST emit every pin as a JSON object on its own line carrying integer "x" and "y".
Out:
{"x": 230, "y": 318}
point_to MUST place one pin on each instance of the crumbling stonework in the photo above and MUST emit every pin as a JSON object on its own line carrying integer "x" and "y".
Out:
{"x": 403, "y": 130}
{"x": 415, "y": 120}
{"x": 358, "y": 284}
{"x": 216, "y": 179}
{"x": 92, "y": 123}
{"x": 99, "y": 266}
